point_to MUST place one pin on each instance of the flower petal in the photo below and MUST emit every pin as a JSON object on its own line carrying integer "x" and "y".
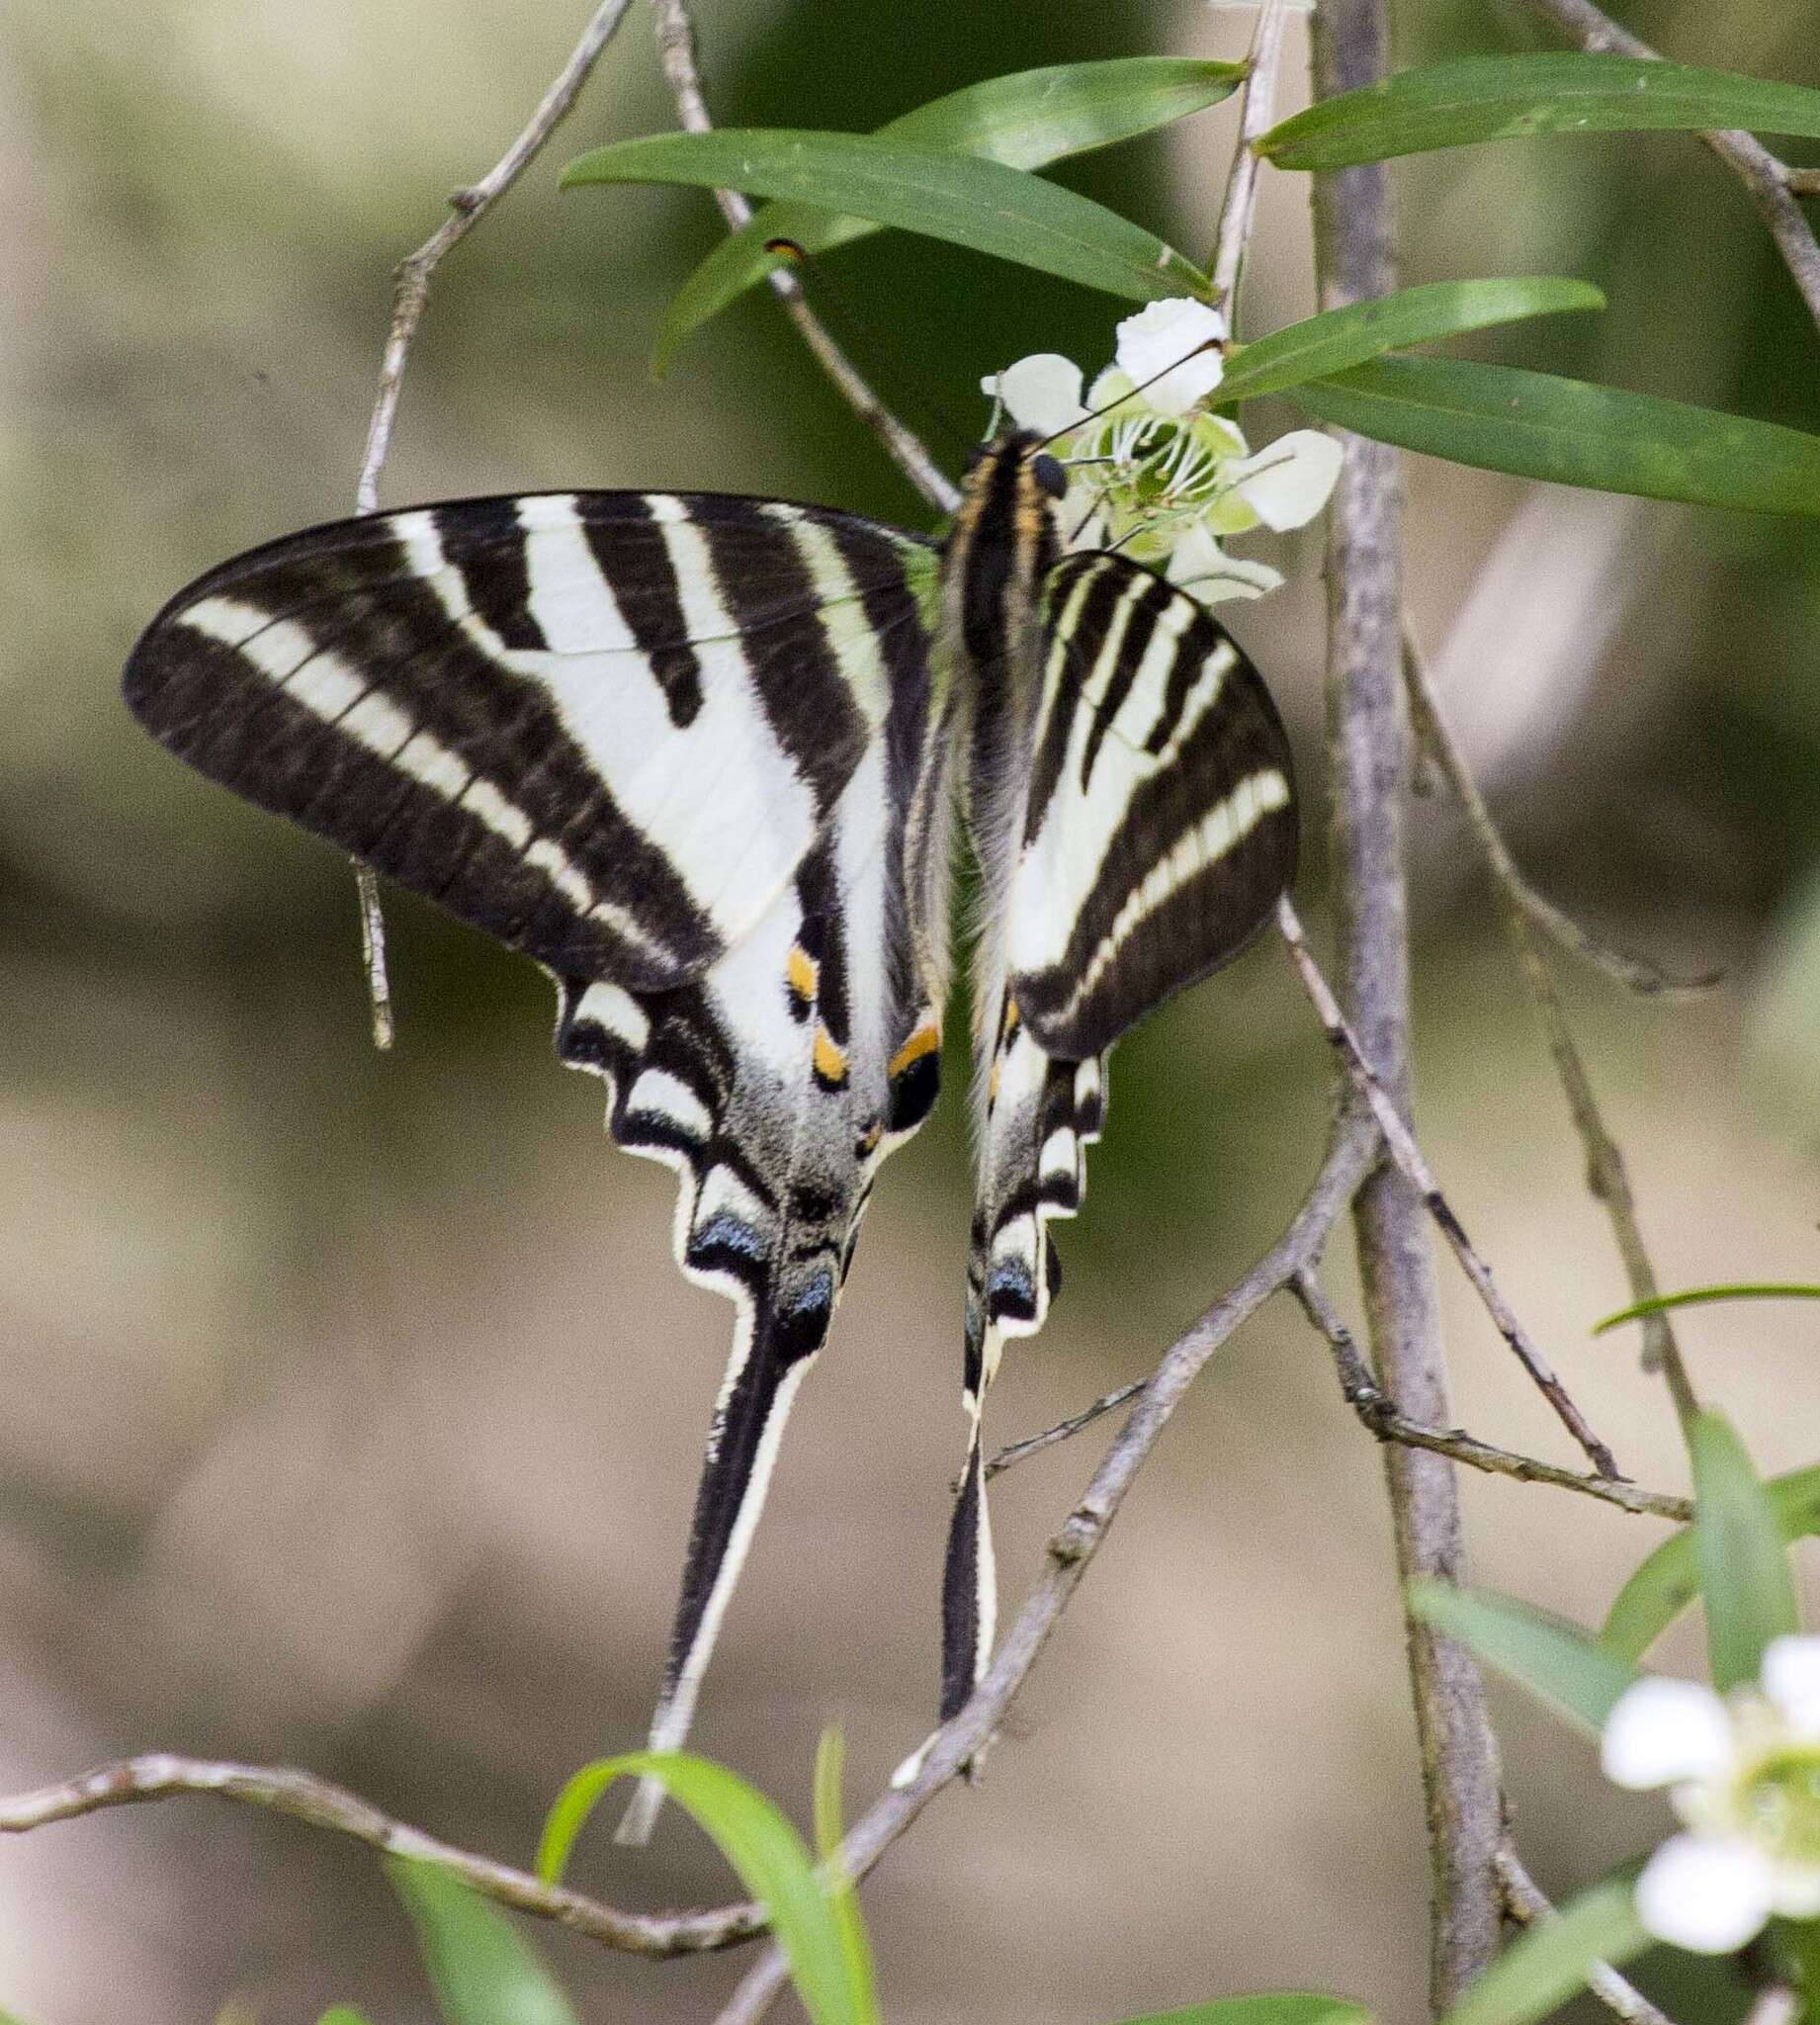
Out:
{"x": 1706, "y": 1894}
{"x": 1181, "y": 333}
{"x": 1287, "y": 483}
{"x": 1040, "y": 393}
{"x": 1200, "y": 566}
{"x": 1664, "y": 1731}
{"x": 1791, "y": 1680}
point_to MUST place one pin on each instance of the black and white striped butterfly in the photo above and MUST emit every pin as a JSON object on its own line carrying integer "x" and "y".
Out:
{"x": 702, "y": 757}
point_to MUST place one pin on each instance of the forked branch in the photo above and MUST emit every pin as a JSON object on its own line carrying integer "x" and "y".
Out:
{"x": 1381, "y": 1415}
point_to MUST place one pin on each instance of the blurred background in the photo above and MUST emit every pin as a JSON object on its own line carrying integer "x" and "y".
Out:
{"x": 351, "y": 1404}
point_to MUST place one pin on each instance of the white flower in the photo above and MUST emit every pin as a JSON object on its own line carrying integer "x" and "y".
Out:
{"x": 1744, "y": 1777}
{"x": 1181, "y": 333}
{"x": 1155, "y": 474}
{"x": 1199, "y": 564}
{"x": 1040, "y": 393}
{"x": 1287, "y": 483}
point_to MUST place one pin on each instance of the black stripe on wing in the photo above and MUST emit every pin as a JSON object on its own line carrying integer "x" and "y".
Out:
{"x": 1161, "y": 825}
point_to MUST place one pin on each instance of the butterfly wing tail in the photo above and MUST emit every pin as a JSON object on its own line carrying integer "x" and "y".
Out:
{"x": 1043, "y": 1112}
{"x": 769, "y": 1363}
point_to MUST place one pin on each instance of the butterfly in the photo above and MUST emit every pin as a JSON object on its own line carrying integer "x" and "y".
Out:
{"x": 709, "y": 761}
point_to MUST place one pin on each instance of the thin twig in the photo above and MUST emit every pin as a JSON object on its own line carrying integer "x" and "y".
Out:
{"x": 677, "y": 48}
{"x": 1606, "y": 1172}
{"x": 1771, "y": 182}
{"x": 1033, "y": 1444}
{"x": 1380, "y": 1414}
{"x": 411, "y": 290}
{"x": 1635, "y": 973}
{"x": 323, "y": 1805}
{"x": 1351, "y": 1149}
{"x": 1413, "y": 1165}
{"x": 1367, "y": 750}
{"x": 1525, "y": 1902}
{"x": 1255, "y": 112}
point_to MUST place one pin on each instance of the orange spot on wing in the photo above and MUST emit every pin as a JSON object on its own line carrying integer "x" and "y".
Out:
{"x": 831, "y": 1062}
{"x": 926, "y": 1038}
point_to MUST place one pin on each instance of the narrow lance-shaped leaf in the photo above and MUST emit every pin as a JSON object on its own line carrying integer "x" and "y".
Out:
{"x": 1269, "y": 2008}
{"x": 1556, "y": 1956}
{"x": 1541, "y": 427}
{"x": 1698, "y": 1296}
{"x": 832, "y": 1978}
{"x": 1668, "y": 1581}
{"x": 1025, "y": 120}
{"x": 481, "y": 1968}
{"x": 1745, "y": 1578}
{"x": 1341, "y": 338}
{"x": 1567, "y": 1667}
{"x": 1511, "y": 97}
{"x": 842, "y": 1898}
{"x": 955, "y": 197}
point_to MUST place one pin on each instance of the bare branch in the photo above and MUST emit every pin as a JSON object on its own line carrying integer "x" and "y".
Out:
{"x": 1605, "y": 1173}
{"x": 466, "y": 208}
{"x": 1527, "y": 1902}
{"x": 677, "y": 48}
{"x": 1255, "y": 112}
{"x": 1351, "y": 1148}
{"x": 1380, "y": 1415}
{"x": 1772, "y": 185}
{"x": 410, "y": 292}
{"x": 1368, "y": 764}
{"x": 1413, "y": 1163}
{"x": 1034, "y": 1443}
{"x": 323, "y": 1805}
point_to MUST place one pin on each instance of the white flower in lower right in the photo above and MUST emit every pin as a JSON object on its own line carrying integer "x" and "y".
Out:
{"x": 1744, "y": 1776}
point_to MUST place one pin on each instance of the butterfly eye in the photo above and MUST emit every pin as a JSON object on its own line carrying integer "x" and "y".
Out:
{"x": 1048, "y": 472}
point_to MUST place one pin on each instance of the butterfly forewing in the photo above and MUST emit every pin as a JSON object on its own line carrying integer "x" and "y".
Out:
{"x": 1160, "y": 823}
{"x": 606, "y": 728}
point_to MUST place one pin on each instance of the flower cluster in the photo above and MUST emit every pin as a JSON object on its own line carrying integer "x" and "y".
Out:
{"x": 1151, "y": 469}
{"x": 1742, "y": 1773}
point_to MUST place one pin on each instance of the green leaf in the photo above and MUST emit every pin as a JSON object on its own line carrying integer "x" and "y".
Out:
{"x": 1567, "y": 1667}
{"x": 856, "y": 1943}
{"x": 1272, "y": 2007}
{"x": 833, "y": 1981}
{"x": 1745, "y": 1578}
{"x": 957, "y": 197}
{"x": 1668, "y": 1581}
{"x": 1339, "y": 338}
{"x": 1695, "y": 1296}
{"x": 336, "y": 2014}
{"x": 1540, "y": 426}
{"x": 481, "y": 1968}
{"x": 1025, "y": 120}
{"x": 1556, "y": 1955}
{"x": 1511, "y": 97}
